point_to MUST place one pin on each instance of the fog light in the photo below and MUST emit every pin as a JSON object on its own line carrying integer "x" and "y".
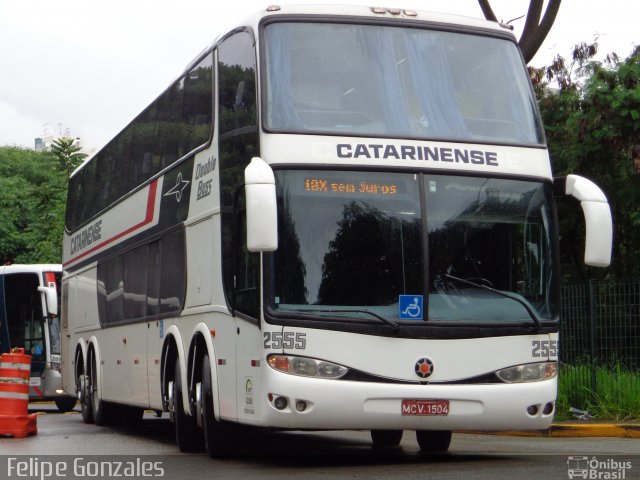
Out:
{"x": 301, "y": 405}
{"x": 532, "y": 410}
{"x": 280, "y": 403}
{"x": 548, "y": 408}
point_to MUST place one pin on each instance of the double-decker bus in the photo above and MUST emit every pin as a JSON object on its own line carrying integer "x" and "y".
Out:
{"x": 29, "y": 305}
{"x": 335, "y": 218}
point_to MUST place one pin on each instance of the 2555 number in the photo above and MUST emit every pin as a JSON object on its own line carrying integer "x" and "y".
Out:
{"x": 286, "y": 340}
{"x": 544, "y": 348}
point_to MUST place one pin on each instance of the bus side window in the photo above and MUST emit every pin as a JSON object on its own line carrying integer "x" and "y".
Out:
{"x": 114, "y": 294}
{"x": 153, "y": 279}
{"x": 172, "y": 272}
{"x": 135, "y": 283}
{"x": 238, "y": 133}
{"x": 247, "y": 272}
{"x": 176, "y": 123}
{"x": 198, "y": 104}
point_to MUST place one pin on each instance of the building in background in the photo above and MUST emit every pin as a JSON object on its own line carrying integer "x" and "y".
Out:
{"x": 45, "y": 141}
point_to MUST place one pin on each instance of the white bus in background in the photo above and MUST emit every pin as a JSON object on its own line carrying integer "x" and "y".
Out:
{"x": 29, "y": 305}
{"x": 335, "y": 218}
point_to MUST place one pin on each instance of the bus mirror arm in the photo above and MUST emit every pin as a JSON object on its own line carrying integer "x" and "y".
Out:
{"x": 597, "y": 216}
{"x": 262, "y": 215}
{"x": 51, "y": 298}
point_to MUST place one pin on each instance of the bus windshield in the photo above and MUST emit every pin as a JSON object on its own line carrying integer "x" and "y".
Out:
{"x": 373, "y": 80}
{"x": 352, "y": 244}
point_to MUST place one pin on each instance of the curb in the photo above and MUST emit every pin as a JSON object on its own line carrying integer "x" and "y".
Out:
{"x": 577, "y": 430}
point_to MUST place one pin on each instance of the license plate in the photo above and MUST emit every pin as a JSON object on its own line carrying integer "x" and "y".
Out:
{"x": 425, "y": 407}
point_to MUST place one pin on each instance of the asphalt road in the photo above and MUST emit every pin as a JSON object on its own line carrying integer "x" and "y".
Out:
{"x": 84, "y": 451}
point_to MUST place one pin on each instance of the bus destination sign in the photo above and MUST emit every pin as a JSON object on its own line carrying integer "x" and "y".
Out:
{"x": 325, "y": 185}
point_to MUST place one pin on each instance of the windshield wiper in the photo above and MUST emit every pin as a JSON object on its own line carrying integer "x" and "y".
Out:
{"x": 527, "y": 306}
{"x": 368, "y": 312}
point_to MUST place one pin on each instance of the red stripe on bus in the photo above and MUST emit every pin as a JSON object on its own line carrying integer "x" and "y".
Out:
{"x": 38, "y": 391}
{"x": 151, "y": 205}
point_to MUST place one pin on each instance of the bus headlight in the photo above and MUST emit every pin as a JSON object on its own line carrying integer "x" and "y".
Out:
{"x": 530, "y": 372}
{"x": 305, "y": 366}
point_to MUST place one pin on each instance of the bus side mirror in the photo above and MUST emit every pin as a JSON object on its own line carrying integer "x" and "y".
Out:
{"x": 51, "y": 299}
{"x": 262, "y": 215}
{"x": 597, "y": 216}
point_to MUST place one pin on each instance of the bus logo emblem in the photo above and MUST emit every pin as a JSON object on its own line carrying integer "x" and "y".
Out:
{"x": 178, "y": 188}
{"x": 424, "y": 368}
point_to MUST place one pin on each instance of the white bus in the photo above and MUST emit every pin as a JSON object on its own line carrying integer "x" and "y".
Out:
{"x": 335, "y": 218}
{"x": 29, "y": 304}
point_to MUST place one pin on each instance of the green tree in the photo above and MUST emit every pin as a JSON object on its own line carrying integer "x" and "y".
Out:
{"x": 67, "y": 151}
{"x": 32, "y": 204}
{"x": 591, "y": 112}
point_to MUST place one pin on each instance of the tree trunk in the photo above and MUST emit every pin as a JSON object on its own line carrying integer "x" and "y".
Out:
{"x": 535, "y": 31}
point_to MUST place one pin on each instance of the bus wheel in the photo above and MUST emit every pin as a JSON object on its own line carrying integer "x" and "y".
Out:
{"x": 188, "y": 437}
{"x": 101, "y": 411}
{"x": 433, "y": 441}
{"x": 82, "y": 385}
{"x": 65, "y": 404}
{"x": 386, "y": 438}
{"x": 216, "y": 441}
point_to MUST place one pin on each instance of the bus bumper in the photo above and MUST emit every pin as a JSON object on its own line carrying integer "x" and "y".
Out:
{"x": 46, "y": 387}
{"x": 334, "y": 404}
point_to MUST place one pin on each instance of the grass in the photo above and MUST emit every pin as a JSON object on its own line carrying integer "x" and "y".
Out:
{"x": 616, "y": 395}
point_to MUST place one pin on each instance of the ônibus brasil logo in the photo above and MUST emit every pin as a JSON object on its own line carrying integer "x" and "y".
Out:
{"x": 597, "y": 469}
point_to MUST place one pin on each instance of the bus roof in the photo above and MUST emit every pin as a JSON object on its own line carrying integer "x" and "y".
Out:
{"x": 33, "y": 268}
{"x": 375, "y": 13}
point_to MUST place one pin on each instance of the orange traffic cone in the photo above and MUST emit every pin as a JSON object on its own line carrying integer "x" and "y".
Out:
{"x": 15, "y": 370}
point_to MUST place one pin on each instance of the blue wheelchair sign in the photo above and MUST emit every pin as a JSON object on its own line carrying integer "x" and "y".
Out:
{"x": 411, "y": 307}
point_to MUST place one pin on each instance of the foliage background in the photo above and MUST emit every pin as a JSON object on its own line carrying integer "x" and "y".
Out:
{"x": 591, "y": 113}
{"x": 33, "y": 195}
{"x": 33, "y": 191}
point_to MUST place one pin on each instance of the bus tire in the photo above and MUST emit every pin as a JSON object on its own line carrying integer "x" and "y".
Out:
{"x": 216, "y": 441}
{"x": 433, "y": 441}
{"x": 82, "y": 386}
{"x": 65, "y": 404}
{"x": 101, "y": 411}
{"x": 386, "y": 438}
{"x": 188, "y": 436}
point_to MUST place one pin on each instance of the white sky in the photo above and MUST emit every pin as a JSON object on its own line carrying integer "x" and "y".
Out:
{"x": 90, "y": 66}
